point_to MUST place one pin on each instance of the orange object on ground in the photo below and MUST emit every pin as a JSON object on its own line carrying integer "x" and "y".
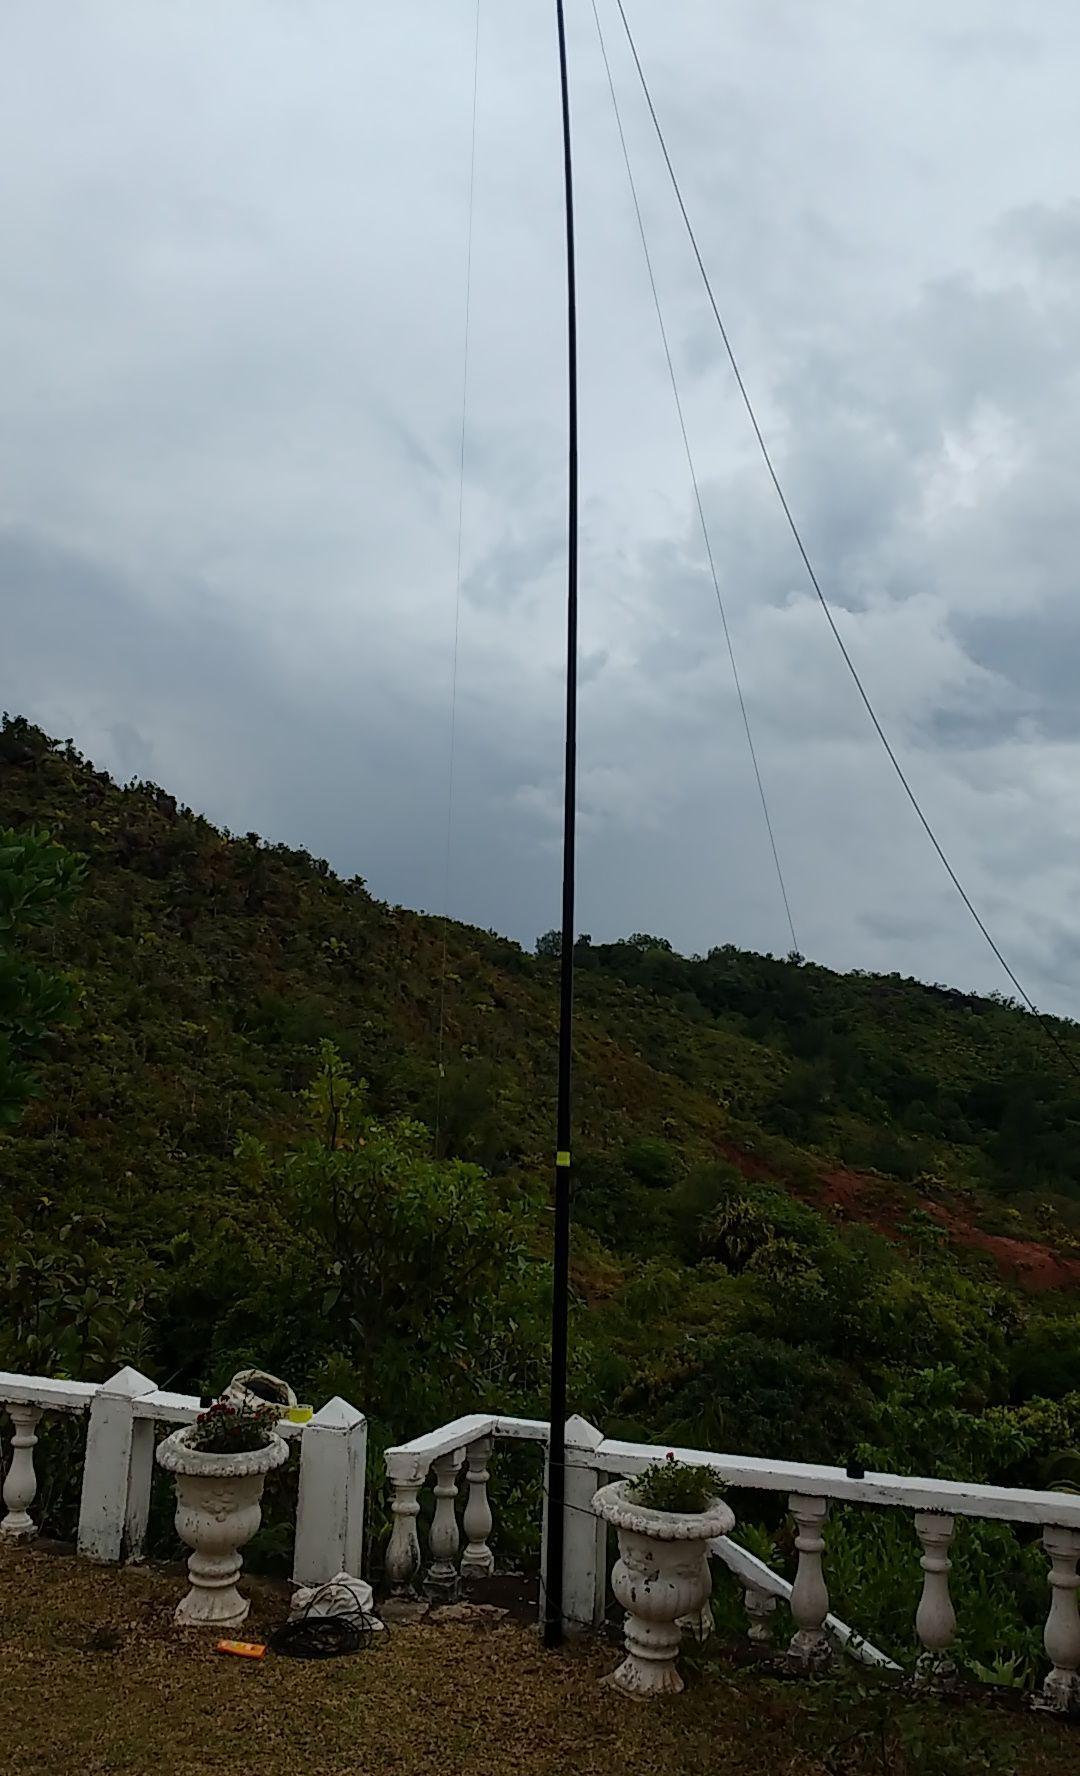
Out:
{"x": 244, "y": 1649}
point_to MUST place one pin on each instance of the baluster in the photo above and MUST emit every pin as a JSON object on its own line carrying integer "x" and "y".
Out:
{"x": 935, "y": 1619}
{"x": 402, "y": 1561}
{"x": 20, "y": 1484}
{"x": 809, "y": 1649}
{"x": 442, "y": 1579}
{"x": 478, "y": 1560}
{"x": 760, "y": 1606}
{"x": 1061, "y": 1690}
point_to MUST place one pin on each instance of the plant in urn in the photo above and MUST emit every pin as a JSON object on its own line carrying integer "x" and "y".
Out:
{"x": 220, "y": 1464}
{"x": 665, "y": 1519}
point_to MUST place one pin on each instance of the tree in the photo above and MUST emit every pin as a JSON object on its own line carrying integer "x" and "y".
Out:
{"x": 410, "y": 1266}
{"x": 37, "y": 879}
{"x": 550, "y": 944}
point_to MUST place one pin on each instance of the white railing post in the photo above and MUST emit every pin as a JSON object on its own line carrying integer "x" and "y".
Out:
{"x": 115, "y": 1503}
{"x": 760, "y": 1608}
{"x": 478, "y": 1560}
{"x": 442, "y": 1583}
{"x": 935, "y": 1619}
{"x": 809, "y": 1649}
{"x": 330, "y": 1500}
{"x": 20, "y": 1482}
{"x": 584, "y": 1533}
{"x": 1061, "y": 1689}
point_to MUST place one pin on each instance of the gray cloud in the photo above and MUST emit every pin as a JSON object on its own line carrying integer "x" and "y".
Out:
{"x": 1050, "y": 235}
{"x": 231, "y": 319}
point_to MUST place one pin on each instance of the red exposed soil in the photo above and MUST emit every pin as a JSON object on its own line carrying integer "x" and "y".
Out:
{"x": 860, "y": 1195}
{"x": 1029, "y": 1263}
{"x": 748, "y": 1165}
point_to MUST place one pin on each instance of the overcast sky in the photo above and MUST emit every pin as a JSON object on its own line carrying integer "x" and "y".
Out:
{"x": 231, "y": 352}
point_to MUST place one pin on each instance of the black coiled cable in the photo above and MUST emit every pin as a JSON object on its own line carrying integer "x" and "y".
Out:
{"x": 350, "y": 1630}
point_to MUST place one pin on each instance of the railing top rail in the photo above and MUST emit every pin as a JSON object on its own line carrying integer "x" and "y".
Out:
{"x": 43, "y": 1391}
{"x": 184, "y": 1409}
{"x": 411, "y": 1461}
{"x": 953, "y": 1497}
{"x": 78, "y": 1396}
{"x": 523, "y": 1430}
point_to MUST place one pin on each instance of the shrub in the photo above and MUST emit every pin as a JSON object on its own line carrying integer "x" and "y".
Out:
{"x": 671, "y": 1485}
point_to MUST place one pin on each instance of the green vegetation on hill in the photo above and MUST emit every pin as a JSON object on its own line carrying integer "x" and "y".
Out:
{"x": 805, "y": 1202}
{"x": 36, "y": 878}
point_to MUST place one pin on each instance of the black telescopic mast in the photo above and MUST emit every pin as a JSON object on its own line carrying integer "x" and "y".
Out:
{"x": 553, "y": 1564}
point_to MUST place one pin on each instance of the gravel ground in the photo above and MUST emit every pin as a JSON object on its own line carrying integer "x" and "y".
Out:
{"x": 95, "y": 1678}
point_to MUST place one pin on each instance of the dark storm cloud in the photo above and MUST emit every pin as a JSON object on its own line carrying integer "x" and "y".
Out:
{"x": 232, "y": 318}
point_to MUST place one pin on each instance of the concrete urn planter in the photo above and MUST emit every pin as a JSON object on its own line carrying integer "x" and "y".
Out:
{"x": 218, "y": 1510}
{"x": 662, "y": 1575}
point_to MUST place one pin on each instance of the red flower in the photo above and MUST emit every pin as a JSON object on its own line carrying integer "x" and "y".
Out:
{"x": 670, "y": 1456}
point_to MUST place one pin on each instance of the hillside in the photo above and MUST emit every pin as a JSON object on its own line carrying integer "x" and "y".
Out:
{"x": 210, "y": 966}
{"x": 814, "y": 1213}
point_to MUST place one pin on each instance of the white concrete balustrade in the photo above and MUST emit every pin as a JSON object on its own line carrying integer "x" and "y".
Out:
{"x": 592, "y": 1459}
{"x": 464, "y": 1444}
{"x": 118, "y": 1468}
{"x": 458, "y": 1460}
